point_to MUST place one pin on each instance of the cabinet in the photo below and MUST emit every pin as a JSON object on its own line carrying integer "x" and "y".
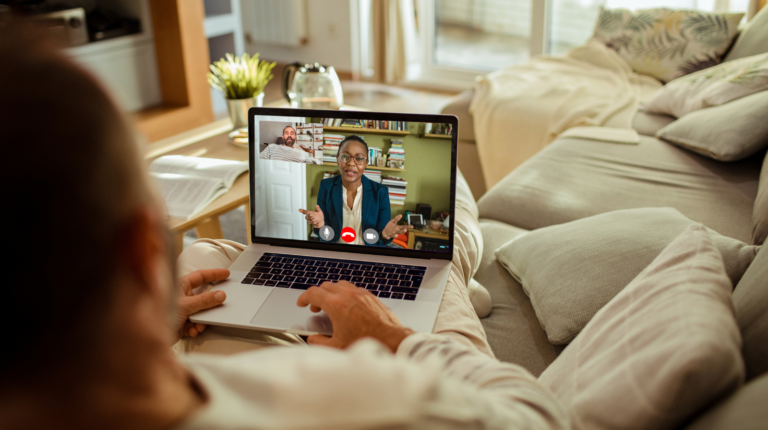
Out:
{"x": 126, "y": 65}
{"x": 158, "y": 75}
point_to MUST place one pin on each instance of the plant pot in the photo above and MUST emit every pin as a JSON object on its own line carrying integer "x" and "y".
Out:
{"x": 238, "y": 110}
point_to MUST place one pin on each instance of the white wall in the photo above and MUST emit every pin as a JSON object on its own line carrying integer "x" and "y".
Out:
{"x": 328, "y": 40}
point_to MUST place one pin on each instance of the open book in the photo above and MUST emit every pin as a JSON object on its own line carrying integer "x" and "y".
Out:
{"x": 189, "y": 184}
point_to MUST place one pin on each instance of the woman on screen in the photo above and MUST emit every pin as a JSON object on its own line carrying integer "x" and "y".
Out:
{"x": 352, "y": 200}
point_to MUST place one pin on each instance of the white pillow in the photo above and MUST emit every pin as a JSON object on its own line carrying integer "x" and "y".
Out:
{"x": 711, "y": 87}
{"x": 662, "y": 350}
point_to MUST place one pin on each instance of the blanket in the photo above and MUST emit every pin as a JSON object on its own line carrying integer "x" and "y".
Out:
{"x": 520, "y": 109}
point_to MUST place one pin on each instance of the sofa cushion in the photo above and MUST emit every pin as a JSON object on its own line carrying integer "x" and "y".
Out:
{"x": 459, "y": 106}
{"x": 753, "y": 39}
{"x": 570, "y": 271}
{"x": 750, "y": 302}
{"x": 744, "y": 410}
{"x": 577, "y": 178}
{"x": 711, "y": 87}
{"x": 661, "y": 350}
{"x": 760, "y": 210}
{"x": 666, "y": 43}
{"x": 648, "y": 124}
{"x": 729, "y": 132}
{"x": 513, "y": 331}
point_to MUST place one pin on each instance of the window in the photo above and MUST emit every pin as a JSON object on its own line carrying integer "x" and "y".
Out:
{"x": 464, "y": 38}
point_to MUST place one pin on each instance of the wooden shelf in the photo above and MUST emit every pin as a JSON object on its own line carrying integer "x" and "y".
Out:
{"x": 362, "y": 130}
{"x": 436, "y": 136}
{"x": 369, "y": 167}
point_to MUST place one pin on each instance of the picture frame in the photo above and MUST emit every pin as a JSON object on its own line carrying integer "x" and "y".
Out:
{"x": 416, "y": 220}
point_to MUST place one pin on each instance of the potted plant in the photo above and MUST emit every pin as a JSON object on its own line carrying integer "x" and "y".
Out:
{"x": 242, "y": 80}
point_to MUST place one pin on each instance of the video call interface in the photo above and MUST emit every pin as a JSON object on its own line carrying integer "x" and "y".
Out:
{"x": 353, "y": 182}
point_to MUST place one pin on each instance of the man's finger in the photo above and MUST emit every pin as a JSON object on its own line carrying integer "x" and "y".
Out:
{"x": 397, "y": 219}
{"x": 314, "y": 296}
{"x": 191, "y": 304}
{"x": 320, "y": 339}
{"x": 200, "y": 277}
{"x": 344, "y": 284}
{"x": 317, "y": 209}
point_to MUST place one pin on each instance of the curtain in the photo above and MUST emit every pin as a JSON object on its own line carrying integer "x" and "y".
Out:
{"x": 395, "y": 39}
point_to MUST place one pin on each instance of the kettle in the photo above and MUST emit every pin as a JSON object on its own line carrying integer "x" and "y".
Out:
{"x": 312, "y": 86}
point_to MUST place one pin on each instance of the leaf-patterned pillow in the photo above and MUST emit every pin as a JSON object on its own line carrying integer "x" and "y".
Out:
{"x": 666, "y": 43}
{"x": 711, "y": 87}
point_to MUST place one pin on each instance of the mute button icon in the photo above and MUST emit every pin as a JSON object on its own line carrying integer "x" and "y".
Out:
{"x": 326, "y": 233}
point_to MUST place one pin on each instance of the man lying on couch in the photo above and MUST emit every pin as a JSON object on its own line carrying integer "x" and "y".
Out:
{"x": 91, "y": 306}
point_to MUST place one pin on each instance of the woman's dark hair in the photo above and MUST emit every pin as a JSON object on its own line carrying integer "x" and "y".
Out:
{"x": 355, "y": 139}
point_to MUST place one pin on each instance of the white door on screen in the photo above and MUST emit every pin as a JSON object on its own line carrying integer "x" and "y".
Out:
{"x": 285, "y": 191}
{"x": 279, "y": 191}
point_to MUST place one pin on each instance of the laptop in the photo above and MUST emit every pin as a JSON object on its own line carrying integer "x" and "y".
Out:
{"x": 405, "y": 164}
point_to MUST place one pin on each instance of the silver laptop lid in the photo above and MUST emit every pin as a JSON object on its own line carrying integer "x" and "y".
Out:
{"x": 400, "y": 167}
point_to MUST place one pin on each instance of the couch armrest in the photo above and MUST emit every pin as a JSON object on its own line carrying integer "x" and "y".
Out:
{"x": 469, "y": 161}
{"x": 459, "y": 106}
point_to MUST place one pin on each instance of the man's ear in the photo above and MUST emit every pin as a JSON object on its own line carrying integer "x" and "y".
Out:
{"x": 145, "y": 248}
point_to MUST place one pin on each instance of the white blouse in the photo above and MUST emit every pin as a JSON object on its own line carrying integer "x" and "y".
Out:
{"x": 353, "y": 217}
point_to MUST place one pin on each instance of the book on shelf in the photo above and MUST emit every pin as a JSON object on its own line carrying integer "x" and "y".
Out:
{"x": 332, "y": 122}
{"x": 396, "y": 203}
{"x": 393, "y": 180}
{"x": 373, "y": 175}
{"x": 189, "y": 184}
{"x": 396, "y": 154}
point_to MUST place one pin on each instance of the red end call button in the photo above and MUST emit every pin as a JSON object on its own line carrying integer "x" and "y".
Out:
{"x": 348, "y": 234}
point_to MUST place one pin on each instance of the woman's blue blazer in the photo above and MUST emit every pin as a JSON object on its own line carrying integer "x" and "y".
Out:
{"x": 376, "y": 212}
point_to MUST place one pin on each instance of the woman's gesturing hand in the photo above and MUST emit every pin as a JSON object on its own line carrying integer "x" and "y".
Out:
{"x": 392, "y": 229}
{"x": 314, "y": 217}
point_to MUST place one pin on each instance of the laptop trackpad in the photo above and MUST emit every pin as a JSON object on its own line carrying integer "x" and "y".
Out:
{"x": 280, "y": 312}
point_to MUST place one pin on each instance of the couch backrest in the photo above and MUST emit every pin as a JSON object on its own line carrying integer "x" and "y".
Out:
{"x": 753, "y": 39}
{"x": 750, "y": 303}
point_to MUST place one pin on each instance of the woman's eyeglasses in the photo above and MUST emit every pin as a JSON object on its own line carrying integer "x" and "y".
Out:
{"x": 358, "y": 159}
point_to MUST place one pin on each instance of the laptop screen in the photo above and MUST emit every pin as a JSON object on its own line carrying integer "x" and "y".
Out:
{"x": 353, "y": 181}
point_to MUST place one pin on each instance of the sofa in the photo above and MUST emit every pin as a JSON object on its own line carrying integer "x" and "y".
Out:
{"x": 572, "y": 179}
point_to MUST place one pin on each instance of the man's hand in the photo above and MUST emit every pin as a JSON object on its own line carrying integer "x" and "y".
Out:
{"x": 355, "y": 313}
{"x": 392, "y": 229}
{"x": 189, "y": 303}
{"x": 314, "y": 217}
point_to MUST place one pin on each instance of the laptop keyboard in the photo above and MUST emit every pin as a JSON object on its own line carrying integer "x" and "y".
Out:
{"x": 388, "y": 281}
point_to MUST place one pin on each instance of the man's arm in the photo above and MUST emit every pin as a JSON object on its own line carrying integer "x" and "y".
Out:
{"x": 266, "y": 152}
{"x": 473, "y": 388}
{"x": 504, "y": 395}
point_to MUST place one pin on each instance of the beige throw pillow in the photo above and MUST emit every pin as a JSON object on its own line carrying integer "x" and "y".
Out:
{"x": 729, "y": 132}
{"x": 661, "y": 351}
{"x": 570, "y": 271}
{"x": 665, "y": 43}
{"x": 711, "y": 87}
